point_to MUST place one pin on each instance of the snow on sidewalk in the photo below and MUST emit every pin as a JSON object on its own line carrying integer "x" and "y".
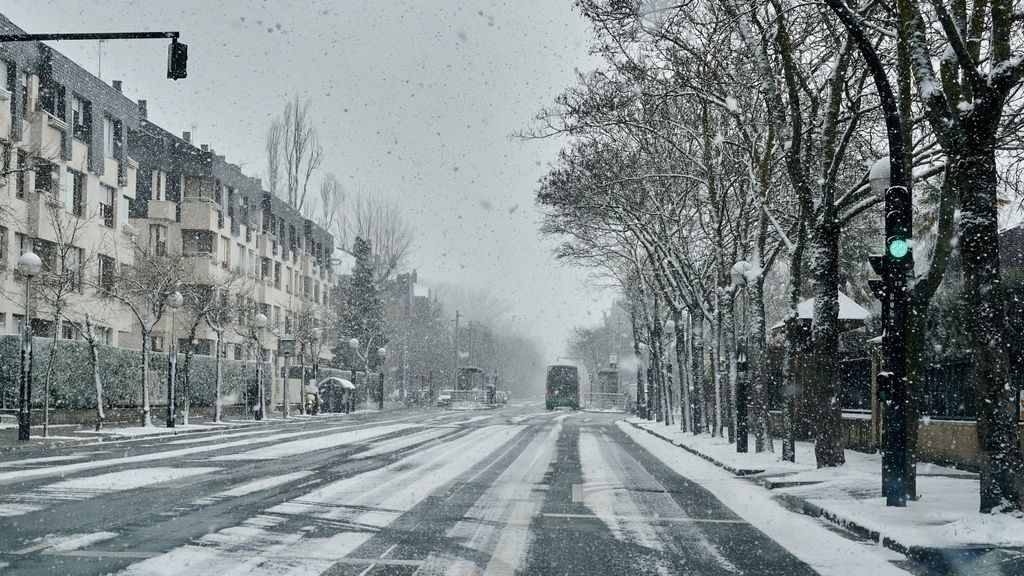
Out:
{"x": 945, "y": 516}
{"x": 808, "y": 539}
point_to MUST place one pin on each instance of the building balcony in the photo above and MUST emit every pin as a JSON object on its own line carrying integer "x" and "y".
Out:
{"x": 197, "y": 214}
{"x": 162, "y": 210}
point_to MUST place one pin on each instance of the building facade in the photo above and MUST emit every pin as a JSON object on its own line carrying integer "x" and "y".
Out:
{"x": 91, "y": 185}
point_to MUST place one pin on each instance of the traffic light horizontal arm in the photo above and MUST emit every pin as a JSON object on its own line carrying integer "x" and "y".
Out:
{"x": 88, "y": 36}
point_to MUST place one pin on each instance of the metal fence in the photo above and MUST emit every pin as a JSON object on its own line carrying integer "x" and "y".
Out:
{"x": 604, "y": 401}
{"x": 946, "y": 392}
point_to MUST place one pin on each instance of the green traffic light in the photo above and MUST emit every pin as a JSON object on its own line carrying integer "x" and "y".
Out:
{"x": 898, "y": 248}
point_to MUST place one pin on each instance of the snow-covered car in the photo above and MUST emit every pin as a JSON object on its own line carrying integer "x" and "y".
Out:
{"x": 444, "y": 399}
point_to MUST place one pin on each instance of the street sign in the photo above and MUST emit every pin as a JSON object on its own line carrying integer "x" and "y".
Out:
{"x": 286, "y": 345}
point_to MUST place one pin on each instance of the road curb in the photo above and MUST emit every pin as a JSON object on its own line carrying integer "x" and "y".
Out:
{"x": 960, "y": 560}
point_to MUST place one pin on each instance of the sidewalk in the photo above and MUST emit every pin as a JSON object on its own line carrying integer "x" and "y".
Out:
{"x": 943, "y": 529}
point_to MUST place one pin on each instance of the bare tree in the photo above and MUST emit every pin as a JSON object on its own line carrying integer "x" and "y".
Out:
{"x": 380, "y": 221}
{"x": 61, "y": 281}
{"x": 143, "y": 288}
{"x": 332, "y": 198}
{"x": 210, "y": 303}
{"x": 272, "y": 146}
{"x": 303, "y": 154}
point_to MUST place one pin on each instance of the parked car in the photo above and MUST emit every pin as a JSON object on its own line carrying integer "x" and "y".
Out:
{"x": 444, "y": 399}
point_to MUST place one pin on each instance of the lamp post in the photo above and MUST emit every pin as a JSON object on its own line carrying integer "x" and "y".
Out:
{"x": 174, "y": 301}
{"x": 286, "y": 347}
{"x": 259, "y": 321}
{"x": 353, "y": 343}
{"x": 738, "y": 273}
{"x": 382, "y": 355}
{"x": 317, "y": 334}
{"x": 29, "y": 264}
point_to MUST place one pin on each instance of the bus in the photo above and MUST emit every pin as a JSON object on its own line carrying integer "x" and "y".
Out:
{"x": 563, "y": 387}
{"x": 470, "y": 378}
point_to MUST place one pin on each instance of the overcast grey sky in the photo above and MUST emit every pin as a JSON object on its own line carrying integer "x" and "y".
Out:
{"x": 415, "y": 100}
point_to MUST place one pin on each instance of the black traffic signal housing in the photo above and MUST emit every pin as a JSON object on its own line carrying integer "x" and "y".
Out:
{"x": 884, "y": 388}
{"x": 877, "y": 285}
{"x": 177, "y": 60}
{"x": 898, "y": 218}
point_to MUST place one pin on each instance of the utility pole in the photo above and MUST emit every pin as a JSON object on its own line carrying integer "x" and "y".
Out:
{"x": 455, "y": 341}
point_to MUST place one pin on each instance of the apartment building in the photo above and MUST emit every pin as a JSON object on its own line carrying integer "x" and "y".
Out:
{"x": 66, "y": 181}
{"x": 76, "y": 153}
{"x": 192, "y": 202}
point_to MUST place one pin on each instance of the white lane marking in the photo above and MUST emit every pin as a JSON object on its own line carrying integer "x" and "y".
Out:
{"x": 101, "y": 553}
{"x": 359, "y": 504}
{"x": 396, "y": 444}
{"x": 383, "y": 555}
{"x": 514, "y": 491}
{"x": 86, "y": 487}
{"x": 258, "y": 485}
{"x": 296, "y": 447}
{"x": 34, "y": 473}
{"x": 649, "y": 518}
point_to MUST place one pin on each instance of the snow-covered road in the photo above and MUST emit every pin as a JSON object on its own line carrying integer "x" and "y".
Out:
{"x": 502, "y": 492}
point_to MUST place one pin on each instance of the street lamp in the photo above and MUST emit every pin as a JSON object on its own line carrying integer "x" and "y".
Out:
{"x": 286, "y": 347}
{"x": 29, "y": 264}
{"x": 259, "y": 321}
{"x": 738, "y": 274}
{"x": 879, "y": 176}
{"x": 382, "y": 355}
{"x": 174, "y": 301}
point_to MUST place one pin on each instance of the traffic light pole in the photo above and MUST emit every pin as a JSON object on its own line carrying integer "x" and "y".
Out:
{"x": 177, "y": 53}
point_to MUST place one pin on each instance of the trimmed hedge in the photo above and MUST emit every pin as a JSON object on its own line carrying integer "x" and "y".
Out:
{"x": 121, "y": 374}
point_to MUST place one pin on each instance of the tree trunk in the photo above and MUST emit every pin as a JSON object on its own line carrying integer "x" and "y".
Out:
{"x": 758, "y": 366}
{"x": 685, "y": 412}
{"x": 828, "y": 416}
{"x": 697, "y": 369}
{"x": 999, "y": 461}
{"x": 217, "y": 408}
{"x": 917, "y": 367}
{"x": 147, "y": 419}
{"x": 49, "y": 377}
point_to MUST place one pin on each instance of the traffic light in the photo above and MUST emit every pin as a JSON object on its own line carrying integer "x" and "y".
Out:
{"x": 177, "y": 60}
{"x": 884, "y": 386}
{"x": 897, "y": 222}
{"x": 877, "y": 285}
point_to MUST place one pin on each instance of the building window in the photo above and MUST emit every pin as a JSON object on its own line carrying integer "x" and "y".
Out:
{"x": 277, "y": 275}
{"x": 4, "y": 80}
{"x": 159, "y": 185}
{"x": 53, "y": 100}
{"x": 107, "y": 205}
{"x": 122, "y": 209}
{"x": 4, "y": 254}
{"x": 79, "y": 118}
{"x": 68, "y": 331}
{"x": 46, "y": 251}
{"x": 20, "y": 242}
{"x": 46, "y": 176}
{"x": 156, "y": 343}
{"x": 22, "y": 173}
{"x": 25, "y": 83}
{"x": 74, "y": 192}
{"x": 108, "y": 136}
{"x": 5, "y": 160}
{"x": 72, "y": 271}
{"x": 105, "y": 274}
{"x": 159, "y": 234}
{"x": 226, "y": 251}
